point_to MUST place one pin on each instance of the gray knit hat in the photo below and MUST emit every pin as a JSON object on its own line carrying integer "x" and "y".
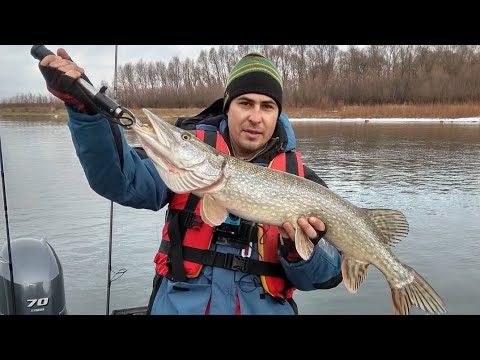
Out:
{"x": 254, "y": 73}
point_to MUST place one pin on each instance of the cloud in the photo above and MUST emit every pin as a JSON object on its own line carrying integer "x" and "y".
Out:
{"x": 19, "y": 72}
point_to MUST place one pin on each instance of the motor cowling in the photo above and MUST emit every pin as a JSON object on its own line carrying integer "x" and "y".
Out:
{"x": 38, "y": 279}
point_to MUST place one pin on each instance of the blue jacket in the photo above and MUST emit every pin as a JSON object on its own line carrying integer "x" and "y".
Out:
{"x": 134, "y": 182}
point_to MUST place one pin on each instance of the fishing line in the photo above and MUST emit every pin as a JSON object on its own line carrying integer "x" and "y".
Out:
{"x": 10, "y": 262}
{"x": 110, "y": 237}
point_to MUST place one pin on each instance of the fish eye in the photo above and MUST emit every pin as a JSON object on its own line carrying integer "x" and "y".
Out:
{"x": 186, "y": 136}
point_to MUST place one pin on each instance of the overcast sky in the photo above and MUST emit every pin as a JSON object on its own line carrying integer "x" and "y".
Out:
{"x": 19, "y": 72}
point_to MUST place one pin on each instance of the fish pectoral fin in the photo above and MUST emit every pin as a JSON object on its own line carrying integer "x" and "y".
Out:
{"x": 391, "y": 223}
{"x": 303, "y": 244}
{"x": 353, "y": 272}
{"x": 211, "y": 212}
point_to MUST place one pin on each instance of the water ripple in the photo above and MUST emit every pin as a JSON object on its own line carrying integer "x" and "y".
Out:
{"x": 431, "y": 172}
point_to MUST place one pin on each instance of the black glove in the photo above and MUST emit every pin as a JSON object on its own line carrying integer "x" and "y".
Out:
{"x": 63, "y": 87}
{"x": 288, "y": 249}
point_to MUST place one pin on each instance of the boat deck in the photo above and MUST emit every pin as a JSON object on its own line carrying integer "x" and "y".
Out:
{"x": 141, "y": 310}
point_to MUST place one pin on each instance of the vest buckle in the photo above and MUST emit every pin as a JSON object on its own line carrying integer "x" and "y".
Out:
{"x": 191, "y": 220}
{"x": 235, "y": 262}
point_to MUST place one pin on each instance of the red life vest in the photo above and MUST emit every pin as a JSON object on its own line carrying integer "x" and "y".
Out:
{"x": 198, "y": 235}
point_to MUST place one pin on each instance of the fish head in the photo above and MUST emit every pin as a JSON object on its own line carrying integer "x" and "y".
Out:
{"x": 184, "y": 162}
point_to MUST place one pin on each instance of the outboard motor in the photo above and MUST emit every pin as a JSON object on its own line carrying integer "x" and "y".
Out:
{"x": 38, "y": 277}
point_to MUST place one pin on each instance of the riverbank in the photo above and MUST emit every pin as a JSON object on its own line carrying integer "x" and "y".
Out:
{"x": 455, "y": 111}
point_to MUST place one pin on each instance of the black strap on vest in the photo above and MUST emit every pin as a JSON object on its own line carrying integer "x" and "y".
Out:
{"x": 176, "y": 231}
{"x": 211, "y": 138}
{"x": 292, "y": 163}
{"x": 179, "y": 224}
{"x": 227, "y": 261}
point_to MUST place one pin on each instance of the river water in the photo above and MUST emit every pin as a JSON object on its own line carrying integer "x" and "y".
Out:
{"x": 430, "y": 170}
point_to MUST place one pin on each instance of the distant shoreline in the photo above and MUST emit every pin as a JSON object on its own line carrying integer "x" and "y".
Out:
{"x": 466, "y": 120}
{"x": 440, "y": 112}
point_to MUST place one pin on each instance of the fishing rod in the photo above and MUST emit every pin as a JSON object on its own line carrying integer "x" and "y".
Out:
{"x": 113, "y": 112}
{"x": 10, "y": 262}
{"x": 109, "y": 281}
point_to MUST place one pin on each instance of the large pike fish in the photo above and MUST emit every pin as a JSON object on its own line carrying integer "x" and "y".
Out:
{"x": 263, "y": 195}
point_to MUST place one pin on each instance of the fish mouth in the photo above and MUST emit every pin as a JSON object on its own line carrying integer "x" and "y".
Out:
{"x": 163, "y": 131}
{"x": 158, "y": 141}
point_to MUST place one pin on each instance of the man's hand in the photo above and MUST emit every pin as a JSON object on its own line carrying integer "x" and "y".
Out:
{"x": 63, "y": 62}
{"x": 314, "y": 228}
{"x": 60, "y": 74}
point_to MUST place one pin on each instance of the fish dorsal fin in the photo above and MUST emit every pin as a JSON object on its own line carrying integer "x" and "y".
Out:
{"x": 211, "y": 212}
{"x": 353, "y": 273}
{"x": 392, "y": 224}
{"x": 303, "y": 244}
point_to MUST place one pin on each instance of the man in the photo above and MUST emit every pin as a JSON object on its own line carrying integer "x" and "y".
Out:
{"x": 238, "y": 267}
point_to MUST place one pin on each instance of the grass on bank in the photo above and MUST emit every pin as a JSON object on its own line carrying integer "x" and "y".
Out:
{"x": 446, "y": 111}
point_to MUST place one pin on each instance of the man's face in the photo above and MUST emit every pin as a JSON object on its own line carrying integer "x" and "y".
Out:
{"x": 251, "y": 120}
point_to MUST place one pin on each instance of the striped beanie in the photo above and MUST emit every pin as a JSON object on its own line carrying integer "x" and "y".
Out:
{"x": 254, "y": 73}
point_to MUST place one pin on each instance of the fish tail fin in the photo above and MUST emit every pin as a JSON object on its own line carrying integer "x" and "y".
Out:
{"x": 416, "y": 292}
